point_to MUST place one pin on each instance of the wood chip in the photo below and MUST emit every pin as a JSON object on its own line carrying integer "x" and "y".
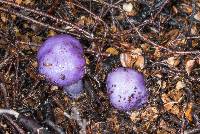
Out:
{"x": 180, "y": 85}
{"x": 197, "y": 16}
{"x": 189, "y": 65}
{"x": 128, "y": 7}
{"x": 139, "y": 62}
{"x": 112, "y": 51}
{"x": 18, "y": 1}
{"x": 188, "y": 112}
{"x": 173, "y": 61}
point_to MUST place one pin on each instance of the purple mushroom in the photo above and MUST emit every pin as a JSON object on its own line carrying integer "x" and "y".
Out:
{"x": 126, "y": 89}
{"x": 61, "y": 60}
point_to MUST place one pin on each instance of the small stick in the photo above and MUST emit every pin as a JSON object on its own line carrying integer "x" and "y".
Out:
{"x": 162, "y": 47}
{"x": 192, "y": 131}
{"x": 4, "y": 62}
{"x": 94, "y": 16}
{"x": 161, "y": 8}
{"x": 3, "y": 88}
{"x": 9, "y": 111}
{"x": 27, "y": 123}
{"x": 54, "y": 126}
{"x": 21, "y": 131}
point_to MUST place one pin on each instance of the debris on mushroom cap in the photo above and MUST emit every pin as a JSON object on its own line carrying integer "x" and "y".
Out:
{"x": 74, "y": 90}
{"x": 126, "y": 89}
{"x": 61, "y": 60}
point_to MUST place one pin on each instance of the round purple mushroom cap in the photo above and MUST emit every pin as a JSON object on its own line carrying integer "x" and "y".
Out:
{"x": 126, "y": 89}
{"x": 61, "y": 60}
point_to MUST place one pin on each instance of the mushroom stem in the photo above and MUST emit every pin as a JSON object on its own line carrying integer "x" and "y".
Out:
{"x": 74, "y": 90}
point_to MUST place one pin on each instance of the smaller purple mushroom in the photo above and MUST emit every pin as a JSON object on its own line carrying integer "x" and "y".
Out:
{"x": 61, "y": 60}
{"x": 126, "y": 89}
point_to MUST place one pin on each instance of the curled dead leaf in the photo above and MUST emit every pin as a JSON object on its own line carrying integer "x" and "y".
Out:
{"x": 186, "y": 8}
{"x": 18, "y": 1}
{"x": 194, "y": 29}
{"x": 134, "y": 57}
{"x": 197, "y": 16}
{"x": 145, "y": 46}
{"x": 165, "y": 98}
{"x": 175, "y": 9}
{"x": 189, "y": 65}
{"x": 112, "y": 51}
{"x": 173, "y": 61}
{"x": 157, "y": 53}
{"x": 126, "y": 59}
{"x": 172, "y": 34}
{"x": 128, "y": 7}
{"x": 198, "y": 60}
{"x": 172, "y": 107}
{"x": 4, "y": 18}
{"x": 126, "y": 45}
{"x": 113, "y": 28}
{"x": 188, "y": 112}
{"x": 136, "y": 51}
{"x": 139, "y": 62}
{"x": 176, "y": 95}
{"x": 87, "y": 61}
{"x": 134, "y": 115}
{"x": 151, "y": 113}
{"x": 180, "y": 85}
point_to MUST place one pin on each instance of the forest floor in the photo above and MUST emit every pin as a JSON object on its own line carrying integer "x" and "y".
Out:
{"x": 160, "y": 38}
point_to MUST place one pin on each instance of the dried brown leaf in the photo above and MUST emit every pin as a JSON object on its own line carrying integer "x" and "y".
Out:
{"x": 139, "y": 62}
{"x": 175, "y": 9}
{"x": 197, "y": 16}
{"x": 18, "y": 1}
{"x": 128, "y": 7}
{"x": 198, "y": 60}
{"x": 173, "y": 108}
{"x": 113, "y": 28}
{"x": 172, "y": 34}
{"x": 170, "y": 105}
{"x": 186, "y": 8}
{"x": 112, "y": 51}
{"x": 165, "y": 98}
{"x": 157, "y": 53}
{"x": 150, "y": 113}
{"x": 194, "y": 30}
{"x": 180, "y": 85}
{"x": 3, "y": 17}
{"x": 165, "y": 129}
{"x": 126, "y": 59}
{"x": 134, "y": 116}
{"x": 126, "y": 45}
{"x": 136, "y": 51}
{"x": 188, "y": 112}
{"x": 176, "y": 95}
{"x": 189, "y": 65}
{"x": 173, "y": 61}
